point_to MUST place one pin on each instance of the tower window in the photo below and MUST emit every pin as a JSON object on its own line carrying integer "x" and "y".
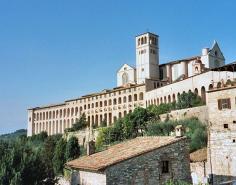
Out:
{"x": 216, "y": 53}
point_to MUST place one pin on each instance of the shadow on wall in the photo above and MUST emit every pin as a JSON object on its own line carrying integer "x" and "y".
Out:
{"x": 223, "y": 180}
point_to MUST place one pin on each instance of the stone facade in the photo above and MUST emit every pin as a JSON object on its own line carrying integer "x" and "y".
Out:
{"x": 222, "y": 134}
{"x": 146, "y": 169}
{"x": 200, "y": 112}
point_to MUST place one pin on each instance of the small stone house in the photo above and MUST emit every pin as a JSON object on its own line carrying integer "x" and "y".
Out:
{"x": 142, "y": 161}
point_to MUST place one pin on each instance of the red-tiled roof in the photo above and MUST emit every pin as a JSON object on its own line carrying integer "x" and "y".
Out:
{"x": 121, "y": 152}
{"x": 199, "y": 155}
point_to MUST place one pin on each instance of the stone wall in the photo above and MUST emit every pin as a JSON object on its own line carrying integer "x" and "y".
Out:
{"x": 146, "y": 168}
{"x": 222, "y": 134}
{"x": 200, "y": 112}
{"x": 84, "y": 136}
{"x": 199, "y": 172}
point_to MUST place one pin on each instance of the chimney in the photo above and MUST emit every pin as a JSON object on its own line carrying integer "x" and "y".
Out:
{"x": 179, "y": 131}
{"x": 91, "y": 147}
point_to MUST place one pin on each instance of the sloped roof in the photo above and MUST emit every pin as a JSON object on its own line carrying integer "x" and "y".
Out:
{"x": 121, "y": 152}
{"x": 181, "y": 60}
{"x": 199, "y": 155}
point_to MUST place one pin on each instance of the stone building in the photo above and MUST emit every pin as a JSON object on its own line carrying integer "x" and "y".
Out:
{"x": 221, "y": 153}
{"x": 143, "y": 160}
{"x": 146, "y": 84}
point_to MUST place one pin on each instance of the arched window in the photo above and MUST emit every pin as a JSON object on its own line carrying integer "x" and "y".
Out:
{"x": 145, "y": 40}
{"x": 64, "y": 113}
{"x": 196, "y": 91}
{"x": 142, "y": 40}
{"x": 100, "y": 103}
{"x": 169, "y": 99}
{"x": 125, "y": 78}
{"x": 120, "y": 115}
{"x": 203, "y": 94}
{"x": 173, "y": 97}
{"x": 130, "y": 98}
{"x": 124, "y": 99}
{"x": 110, "y": 102}
{"x": 114, "y": 101}
{"x": 135, "y": 97}
{"x": 72, "y": 111}
{"x": 76, "y": 111}
{"x": 218, "y": 85}
{"x": 210, "y": 87}
{"x": 105, "y": 103}
{"x": 119, "y": 100}
{"x": 139, "y": 41}
{"x": 141, "y": 96}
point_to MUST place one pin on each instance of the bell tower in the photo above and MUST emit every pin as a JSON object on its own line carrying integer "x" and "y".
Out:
{"x": 147, "y": 57}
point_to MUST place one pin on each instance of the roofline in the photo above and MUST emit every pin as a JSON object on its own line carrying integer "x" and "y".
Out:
{"x": 115, "y": 89}
{"x": 146, "y": 33}
{"x": 181, "y": 60}
{"x": 102, "y": 168}
{"x": 47, "y": 106}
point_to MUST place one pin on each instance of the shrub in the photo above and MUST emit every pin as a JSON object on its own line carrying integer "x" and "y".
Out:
{"x": 72, "y": 149}
{"x": 188, "y": 100}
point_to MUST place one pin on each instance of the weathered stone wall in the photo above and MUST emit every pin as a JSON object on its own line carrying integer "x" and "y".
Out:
{"x": 199, "y": 170}
{"x": 146, "y": 168}
{"x": 222, "y": 135}
{"x": 200, "y": 112}
{"x": 84, "y": 136}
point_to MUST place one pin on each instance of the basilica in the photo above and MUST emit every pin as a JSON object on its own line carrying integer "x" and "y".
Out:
{"x": 148, "y": 83}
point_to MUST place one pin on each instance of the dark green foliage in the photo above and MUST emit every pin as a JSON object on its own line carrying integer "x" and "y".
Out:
{"x": 25, "y": 161}
{"x": 80, "y": 124}
{"x": 161, "y": 109}
{"x": 188, "y": 100}
{"x": 72, "y": 149}
{"x": 59, "y": 156}
{"x": 160, "y": 128}
{"x": 195, "y": 131}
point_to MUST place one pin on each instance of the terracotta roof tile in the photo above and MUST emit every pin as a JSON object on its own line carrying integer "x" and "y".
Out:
{"x": 121, "y": 152}
{"x": 199, "y": 155}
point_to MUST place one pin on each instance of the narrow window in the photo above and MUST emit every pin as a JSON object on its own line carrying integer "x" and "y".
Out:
{"x": 165, "y": 166}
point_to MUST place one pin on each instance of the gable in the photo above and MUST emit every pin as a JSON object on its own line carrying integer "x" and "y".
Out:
{"x": 216, "y": 51}
{"x": 125, "y": 67}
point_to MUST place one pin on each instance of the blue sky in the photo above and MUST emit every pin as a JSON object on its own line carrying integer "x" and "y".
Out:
{"x": 55, "y": 50}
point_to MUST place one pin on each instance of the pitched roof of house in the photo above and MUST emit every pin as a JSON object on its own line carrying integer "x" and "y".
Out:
{"x": 122, "y": 151}
{"x": 199, "y": 155}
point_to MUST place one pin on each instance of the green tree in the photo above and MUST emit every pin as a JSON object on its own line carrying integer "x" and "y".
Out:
{"x": 59, "y": 156}
{"x": 72, "y": 149}
{"x": 79, "y": 124}
{"x": 188, "y": 100}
